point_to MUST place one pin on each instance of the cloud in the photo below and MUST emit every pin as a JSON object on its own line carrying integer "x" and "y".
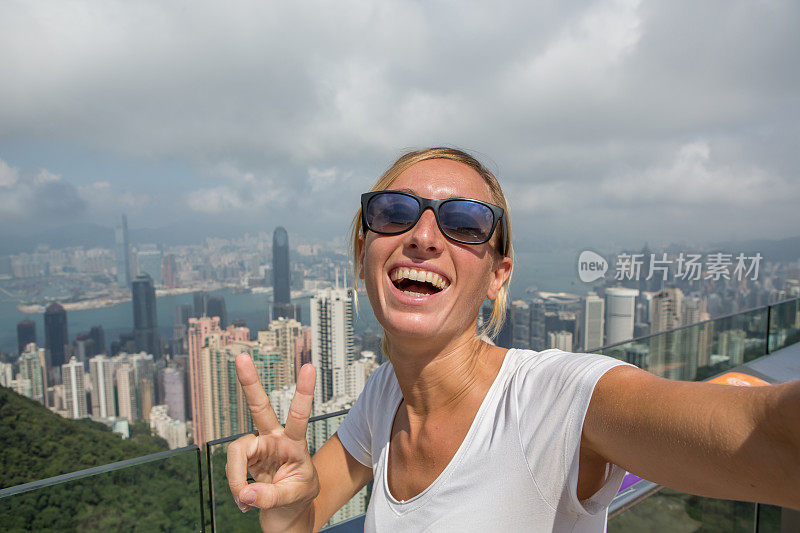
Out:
{"x": 104, "y": 197}
{"x": 242, "y": 192}
{"x": 581, "y": 107}
{"x": 693, "y": 177}
{"x": 42, "y": 196}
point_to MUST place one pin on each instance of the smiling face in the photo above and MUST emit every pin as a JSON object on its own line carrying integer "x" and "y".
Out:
{"x": 420, "y": 283}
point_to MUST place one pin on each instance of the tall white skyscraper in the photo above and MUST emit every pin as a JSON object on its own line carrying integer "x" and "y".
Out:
{"x": 593, "y": 322}
{"x": 620, "y": 307}
{"x": 331, "y": 342}
{"x": 101, "y": 370}
{"x": 74, "y": 389}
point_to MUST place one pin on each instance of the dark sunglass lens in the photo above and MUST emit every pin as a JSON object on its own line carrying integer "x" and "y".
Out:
{"x": 391, "y": 212}
{"x": 466, "y": 221}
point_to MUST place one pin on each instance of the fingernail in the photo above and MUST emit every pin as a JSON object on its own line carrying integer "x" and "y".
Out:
{"x": 242, "y": 507}
{"x": 247, "y": 496}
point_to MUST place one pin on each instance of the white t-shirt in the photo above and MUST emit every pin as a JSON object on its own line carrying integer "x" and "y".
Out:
{"x": 517, "y": 468}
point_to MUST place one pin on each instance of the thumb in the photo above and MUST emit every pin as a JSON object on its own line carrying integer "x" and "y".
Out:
{"x": 268, "y": 495}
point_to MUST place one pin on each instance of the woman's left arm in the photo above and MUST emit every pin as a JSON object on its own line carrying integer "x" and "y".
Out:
{"x": 719, "y": 441}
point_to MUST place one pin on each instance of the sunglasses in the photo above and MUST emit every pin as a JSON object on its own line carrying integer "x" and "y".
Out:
{"x": 462, "y": 220}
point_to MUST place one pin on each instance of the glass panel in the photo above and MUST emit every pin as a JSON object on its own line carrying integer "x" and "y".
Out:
{"x": 700, "y": 351}
{"x": 227, "y": 516}
{"x": 784, "y": 324}
{"x": 162, "y": 495}
{"x": 669, "y": 510}
{"x": 769, "y": 519}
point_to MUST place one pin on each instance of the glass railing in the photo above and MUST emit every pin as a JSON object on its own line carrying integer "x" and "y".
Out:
{"x": 186, "y": 489}
{"x": 225, "y": 515}
{"x": 784, "y": 324}
{"x": 695, "y": 353}
{"x": 699, "y": 351}
{"x": 157, "y": 492}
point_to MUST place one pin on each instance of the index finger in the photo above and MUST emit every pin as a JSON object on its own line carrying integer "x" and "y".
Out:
{"x": 257, "y": 400}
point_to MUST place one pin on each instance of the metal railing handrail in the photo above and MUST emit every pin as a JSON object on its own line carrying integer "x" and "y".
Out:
{"x": 93, "y": 471}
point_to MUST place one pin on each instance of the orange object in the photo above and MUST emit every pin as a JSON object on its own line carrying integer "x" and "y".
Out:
{"x": 739, "y": 379}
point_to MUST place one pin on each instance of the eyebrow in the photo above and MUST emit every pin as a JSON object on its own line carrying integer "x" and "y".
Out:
{"x": 410, "y": 191}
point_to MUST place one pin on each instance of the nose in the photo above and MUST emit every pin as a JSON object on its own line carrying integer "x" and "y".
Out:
{"x": 425, "y": 235}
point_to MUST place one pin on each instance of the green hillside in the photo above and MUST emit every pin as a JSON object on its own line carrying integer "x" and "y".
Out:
{"x": 36, "y": 444}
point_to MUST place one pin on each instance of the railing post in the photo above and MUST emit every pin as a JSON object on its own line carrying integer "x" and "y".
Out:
{"x": 211, "y": 490}
{"x": 200, "y": 483}
{"x": 758, "y": 511}
{"x": 769, "y": 317}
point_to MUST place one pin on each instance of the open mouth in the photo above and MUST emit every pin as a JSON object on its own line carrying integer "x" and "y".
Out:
{"x": 416, "y": 282}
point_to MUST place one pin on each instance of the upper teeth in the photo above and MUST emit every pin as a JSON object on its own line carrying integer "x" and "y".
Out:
{"x": 419, "y": 275}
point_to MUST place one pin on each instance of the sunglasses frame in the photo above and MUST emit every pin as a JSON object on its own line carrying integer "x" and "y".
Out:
{"x": 426, "y": 203}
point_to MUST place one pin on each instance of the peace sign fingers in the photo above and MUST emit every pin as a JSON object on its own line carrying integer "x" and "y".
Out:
{"x": 300, "y": 409}
{"x": 257, "y": 400}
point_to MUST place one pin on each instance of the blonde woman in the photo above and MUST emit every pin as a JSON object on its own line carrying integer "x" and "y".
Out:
{"x": 461, "y": 435}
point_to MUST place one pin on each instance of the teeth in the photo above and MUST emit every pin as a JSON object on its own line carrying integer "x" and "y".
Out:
{"x": 425, "y": 276}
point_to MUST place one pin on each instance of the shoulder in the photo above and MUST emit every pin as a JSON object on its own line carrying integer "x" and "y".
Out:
{"x": 556, "y": 371}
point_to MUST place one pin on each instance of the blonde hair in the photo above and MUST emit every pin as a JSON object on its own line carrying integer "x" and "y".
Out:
{"x": 498, "y": 316}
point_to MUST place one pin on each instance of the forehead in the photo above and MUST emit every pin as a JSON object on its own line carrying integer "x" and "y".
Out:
{"x": 443, "y": 178}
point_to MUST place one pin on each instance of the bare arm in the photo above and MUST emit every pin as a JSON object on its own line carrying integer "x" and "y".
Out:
{"x": 340, "y": 478}
{"x": 718, "y": 441}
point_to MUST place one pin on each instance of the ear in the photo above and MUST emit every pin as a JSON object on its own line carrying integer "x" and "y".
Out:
{"x": 501, "y": 272}
{"x": 360, "y": 254}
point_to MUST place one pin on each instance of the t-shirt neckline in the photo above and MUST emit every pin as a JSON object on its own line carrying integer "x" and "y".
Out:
{"x": 457, "y": 457}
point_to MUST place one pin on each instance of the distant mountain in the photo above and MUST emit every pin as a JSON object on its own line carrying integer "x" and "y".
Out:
{"x": 85, "y": 234}
{"x": 783, "y": 250}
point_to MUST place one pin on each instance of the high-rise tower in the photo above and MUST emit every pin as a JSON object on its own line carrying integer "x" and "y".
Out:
{"x": 55, "y": 340}
{"x": 74, "y": 388}
{"x": 26, "y": 334}
{"x": 281, "y": 293}
{"x": 593, "y": 322}
{"x": 331, "y": 341}
{"x": 123, "y": 254}
{"x": 145, "y": 320}
{"x": 620, "y": 306}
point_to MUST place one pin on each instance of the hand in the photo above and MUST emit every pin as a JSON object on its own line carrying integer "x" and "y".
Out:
{"x": 286, "y": 481}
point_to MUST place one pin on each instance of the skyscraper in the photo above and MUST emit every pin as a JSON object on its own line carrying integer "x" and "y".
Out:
{"x": 26, "y": 334}
{"x": 208, "y": 370}
{"x": 199, "y": 298}
{"x": 55, "y": 340}
{"x": 123, "y": 254}
{"x": 281, "y": 293}
{"x": 32, "y": 371}
{"x": 620, "y": 306}
{"x": 145, "y": 321}
{"x": 331, "y": 341}
{"x": 285, "y": 330}
{"x": 101, "y": 370}
{"x": 174, "y": 394}
{"x": 593, "y": 322}
{"x": 74, "y": 389}
{"x": 215, "y": 306}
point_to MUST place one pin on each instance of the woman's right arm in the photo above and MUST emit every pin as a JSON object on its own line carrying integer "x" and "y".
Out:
{"x": 293, "y": 491}
{"x": 340, "y": 478}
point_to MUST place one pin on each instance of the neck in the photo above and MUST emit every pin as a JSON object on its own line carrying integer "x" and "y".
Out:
{"x": 436, "y": 378}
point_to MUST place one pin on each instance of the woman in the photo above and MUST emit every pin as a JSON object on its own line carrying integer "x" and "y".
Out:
{"x": 463, "y": 435}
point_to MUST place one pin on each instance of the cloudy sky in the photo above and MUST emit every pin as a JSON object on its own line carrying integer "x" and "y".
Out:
{"x": 607, "y": 121}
